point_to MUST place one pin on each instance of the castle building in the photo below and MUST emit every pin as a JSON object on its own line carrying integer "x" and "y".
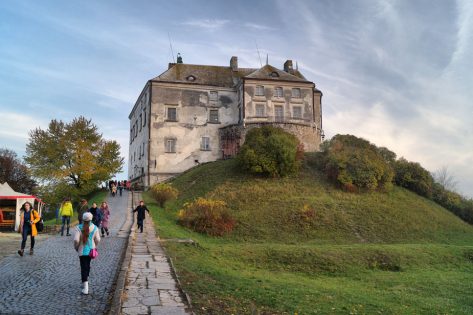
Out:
{"x": 191, "y": 114}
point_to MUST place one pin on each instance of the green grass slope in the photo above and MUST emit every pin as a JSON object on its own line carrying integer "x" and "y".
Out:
{"x": 387, "y": 253}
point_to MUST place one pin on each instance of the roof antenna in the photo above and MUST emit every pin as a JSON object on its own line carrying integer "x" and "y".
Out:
{"x": 266, "y": 59}
{"x": 172, "y": 51}
{"x": 297, "y": 67}
{"x": 259, "y": 56}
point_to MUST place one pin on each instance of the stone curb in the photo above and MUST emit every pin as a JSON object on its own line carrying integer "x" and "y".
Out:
{"x": 179, "y": 285}
{"x": 120, "y": 281}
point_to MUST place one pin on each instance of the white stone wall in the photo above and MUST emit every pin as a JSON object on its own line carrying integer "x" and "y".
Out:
{"x": 139, "y": 135}
{"x": 193, "y": 107}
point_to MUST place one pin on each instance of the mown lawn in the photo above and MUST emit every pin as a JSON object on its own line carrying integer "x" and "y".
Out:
{"x": 379, "y": 253}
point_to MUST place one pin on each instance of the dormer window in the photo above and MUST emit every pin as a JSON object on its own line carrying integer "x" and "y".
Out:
{"x": 274, "y": 74}
{"x": 190, "y": 78}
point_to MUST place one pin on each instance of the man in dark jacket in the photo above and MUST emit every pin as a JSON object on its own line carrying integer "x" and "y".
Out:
{"x": 141, "y": 214}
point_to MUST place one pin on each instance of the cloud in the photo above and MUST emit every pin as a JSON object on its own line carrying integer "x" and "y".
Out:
{"x": 259, "y": 27}
{"x": 209, "y": 24}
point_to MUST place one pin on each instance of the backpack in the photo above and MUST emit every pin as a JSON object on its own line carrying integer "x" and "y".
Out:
{"x": 39, "y": 224}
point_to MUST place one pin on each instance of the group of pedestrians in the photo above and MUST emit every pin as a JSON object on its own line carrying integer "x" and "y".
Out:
{"x": 118, "y": 186}
{"x": 93, "y": 224}
{"x": 101, "y": 216}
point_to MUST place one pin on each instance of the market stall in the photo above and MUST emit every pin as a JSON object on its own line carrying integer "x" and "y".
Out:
{"x": 10, "y": 205}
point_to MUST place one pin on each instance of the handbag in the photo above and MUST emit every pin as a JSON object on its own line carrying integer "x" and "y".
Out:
{"x": 93, "y": 253}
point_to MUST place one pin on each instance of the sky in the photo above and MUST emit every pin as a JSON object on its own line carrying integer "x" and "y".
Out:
{"x": 397, "y": 73}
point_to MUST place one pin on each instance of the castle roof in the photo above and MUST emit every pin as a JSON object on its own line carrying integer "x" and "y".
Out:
{"x": 203, "y": 75}
{"x": 224, "y": 76}
{"x": 269, "y": 72}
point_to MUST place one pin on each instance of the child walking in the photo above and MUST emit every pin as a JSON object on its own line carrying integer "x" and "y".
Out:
{"x": 105, "y": 216}
{"x": 86, "y": 239}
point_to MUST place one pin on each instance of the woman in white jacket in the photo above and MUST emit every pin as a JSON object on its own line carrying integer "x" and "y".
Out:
{"x": 86, "y": 239}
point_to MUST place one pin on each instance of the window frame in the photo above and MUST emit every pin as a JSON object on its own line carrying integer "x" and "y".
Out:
{"x": 215, "y": 94}
{"x": 276, "y": 117}
{"x": 210, "y": 116}
{"x": 293, "y": 112}
{"x": 168, "y": 108}
{"x": 260, "y": 106}
{"x": 276, "y": 94}
{"x": 299, "y": 91}
{"x": 166, "y": 145}
{"x": 261, "y": 87}
{"x": 202, "y": 144}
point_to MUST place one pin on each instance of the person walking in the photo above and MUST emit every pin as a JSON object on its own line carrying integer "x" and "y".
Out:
{"x": 66, "y": 212}
{"x": 96, "y": 214}
{"x": 28, "y": 219}
{"x": 81, "y": 209}
{"x": 114, "y": 190}
{"x": 86, "y": 239}
{"x": 120, "y": 187}
{"x": 141, "y": 208}
{"x": 105, "y": 213}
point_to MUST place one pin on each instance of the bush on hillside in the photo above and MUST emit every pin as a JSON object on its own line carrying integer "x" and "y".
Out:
{"x": 454, "y": 202}
{"x": 270, "y": 151}
{"x": 211, "y": 217}
{"x": 163, "y": 192}
{"x": 413, "y": 176}
{"x": 356, "y": 164}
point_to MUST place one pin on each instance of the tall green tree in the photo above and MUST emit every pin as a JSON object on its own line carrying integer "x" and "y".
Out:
{"x": 72, "y": 158}
{"x": 15, "y": 173}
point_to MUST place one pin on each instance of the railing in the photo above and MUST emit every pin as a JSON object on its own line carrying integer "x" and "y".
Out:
{"x": 278, "y": 119}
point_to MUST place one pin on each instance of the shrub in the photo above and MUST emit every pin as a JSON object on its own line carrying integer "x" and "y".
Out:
{"x": 207, "y": 216}
{"x": 414, "y": 177}
{"x": 163, "y": 192}
{"x": 270, "y": 151}
{"x": 355, "y": 164}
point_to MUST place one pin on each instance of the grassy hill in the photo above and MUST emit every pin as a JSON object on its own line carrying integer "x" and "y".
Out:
{"x": 388, "y": 253}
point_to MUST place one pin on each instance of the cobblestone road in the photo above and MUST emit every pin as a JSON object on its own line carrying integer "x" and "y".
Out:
{"x": 49, "y": 281}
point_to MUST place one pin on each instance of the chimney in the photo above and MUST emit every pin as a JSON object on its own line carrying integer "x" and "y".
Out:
{"x": 288, "y": 66}
{"x": 234, "y": 63}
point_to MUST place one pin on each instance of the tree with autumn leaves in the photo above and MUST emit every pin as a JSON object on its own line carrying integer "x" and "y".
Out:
{"x": 71, "y": 159}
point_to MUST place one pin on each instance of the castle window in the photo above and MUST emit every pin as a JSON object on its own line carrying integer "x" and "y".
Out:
{"x": 213, "y": 116}
{"x": 171, "y": 114}
{"x": 141, "y": 122}
{"x": 170, "y": 145}
{"x": 205, "y": 144}
{"x": 274, "y": 74}
{"x": 278, "y": 92}
{"x": 190, "y": 78}
{"x": 144, "y": 118}
{"x": 278, "y": 113}
{"x": 139, "y": 153}
{"x": 259, "y": 90}
{"x": 296, "y": 93}
{"x": 143, "y": 154}
{"x": 259, "y": 110}
{"x": 213, "y": 96}
{"x": 297, "y": 112}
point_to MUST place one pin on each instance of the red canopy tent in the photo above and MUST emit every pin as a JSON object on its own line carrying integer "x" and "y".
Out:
{"x": 11, "y": 203}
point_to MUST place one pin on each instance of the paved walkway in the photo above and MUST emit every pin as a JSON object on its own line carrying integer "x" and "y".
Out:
{"x": 150, "y": 287}
{"x": 49, "y": 281}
